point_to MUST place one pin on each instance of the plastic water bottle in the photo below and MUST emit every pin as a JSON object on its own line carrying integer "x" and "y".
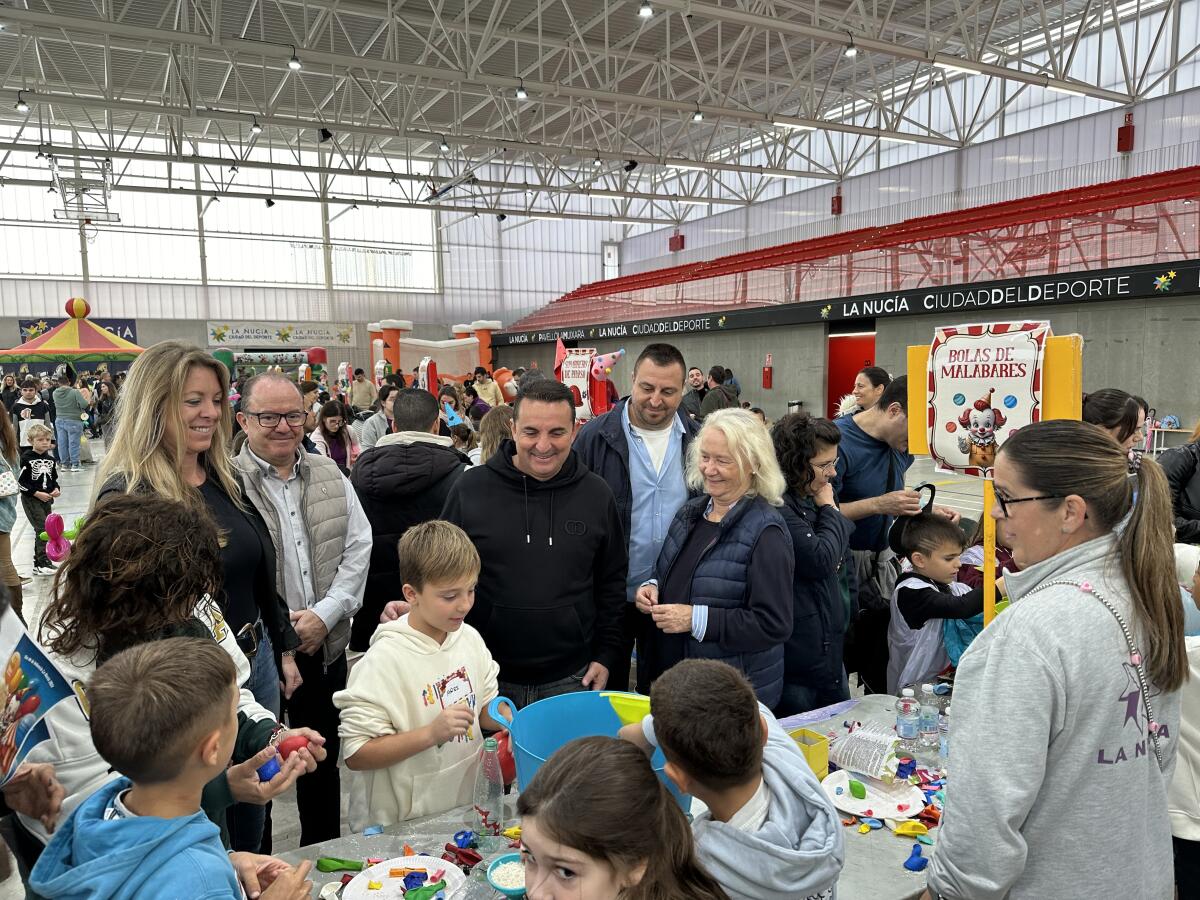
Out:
{"x": 929, "y": 716}
{"x": 908, "y": 719}
{"x": 488, "y": 812}
{"x": 944, "y": 738}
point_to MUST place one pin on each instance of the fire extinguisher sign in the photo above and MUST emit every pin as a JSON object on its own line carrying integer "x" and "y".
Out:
{"x": 768, "y": 363}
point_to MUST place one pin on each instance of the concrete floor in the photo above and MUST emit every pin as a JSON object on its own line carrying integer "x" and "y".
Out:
{"x": 76, "y": 496}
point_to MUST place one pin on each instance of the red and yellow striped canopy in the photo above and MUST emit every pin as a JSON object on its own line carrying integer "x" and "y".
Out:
{"x": 75, "y": 340}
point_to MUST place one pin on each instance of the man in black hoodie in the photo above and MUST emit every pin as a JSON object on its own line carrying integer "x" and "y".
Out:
{"x": 402, "y": 481}
{"x": 551, "y": 591}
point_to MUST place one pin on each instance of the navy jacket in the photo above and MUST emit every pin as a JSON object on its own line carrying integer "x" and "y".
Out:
{"x": 602, "y": 446}
{"x": 745, "y": 578}
{"x": 821, "y": 541}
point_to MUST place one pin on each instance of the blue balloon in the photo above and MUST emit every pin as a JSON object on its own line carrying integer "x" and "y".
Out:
{"x": 1010, "y": 401}
{"x": 960, "y": 399}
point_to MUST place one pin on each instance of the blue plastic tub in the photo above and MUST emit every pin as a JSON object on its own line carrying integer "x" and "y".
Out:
{"x": 541, "y": 728}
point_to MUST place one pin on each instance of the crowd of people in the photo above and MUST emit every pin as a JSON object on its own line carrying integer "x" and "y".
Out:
{"x": 367, "y": 570}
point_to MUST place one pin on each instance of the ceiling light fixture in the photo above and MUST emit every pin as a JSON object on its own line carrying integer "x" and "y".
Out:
{"x": 522, "y": 94}
{"x": 233, "y": 170}
{"x": 294, "y": 63}
{"x": 596, "y": 163}
{"x": 697, "y": 116}
{"x": 22, "y": 106}
{"x": 645, "y": 11}
{"x": 851, "y": 51}
{"x": 952, "y": 66}
{"x": 443, "y": 146}
{"x": 323, "y": 135}
{"x": 686, "y": 167}
{"x": 270, "y": 201}
{"x": 630, "y": 165}
{"x": 255, "y": 128}
{"x": 794, "y": 126}
{"x": 1060, "y": 89}
{"x": 500, "y": 217}
{"x": 895, "y": 140}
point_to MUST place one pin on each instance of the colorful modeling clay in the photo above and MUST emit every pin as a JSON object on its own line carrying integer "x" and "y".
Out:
{"x": 464, "y": 839}
{"x": 916, "y": 862}
{"x": 925, "y": 839}
{"x": 910, "y": 829}
{"x": 864, "y": 828}
{"x": 414, "y": 880}
{"x": 873, "y": 824}
{"x": 269, "y": 769}
{"x": 858, "y": 790}
{"x": 839, "y": 790}
{"x": 372, "y": 830}
{"x": 333, "y": 864}
{"x": 409, "y": 851}
{"x": 428, "y": 892}
{"x": 290, "y": 745}
{"x": 513, "y": 834}
{"x": 374, "y": 885}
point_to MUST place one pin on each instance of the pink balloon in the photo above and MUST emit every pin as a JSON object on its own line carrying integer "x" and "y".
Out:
{"x": 58, "y": 547}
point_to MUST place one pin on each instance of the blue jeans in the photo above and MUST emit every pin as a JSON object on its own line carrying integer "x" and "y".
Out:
{"x": 798, "y": 698}
{"x": 246, "y": 820}
{"x": 524, "y": 694}
{"x": 68, "y": 432}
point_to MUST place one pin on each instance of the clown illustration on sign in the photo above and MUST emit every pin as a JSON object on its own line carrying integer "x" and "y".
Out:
{"x": 984, "y": 382}
{"x": 980, "y": 422}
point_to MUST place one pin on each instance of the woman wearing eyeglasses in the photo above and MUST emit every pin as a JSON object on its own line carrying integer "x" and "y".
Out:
{"x": 173, "y": 439}
{"x": 813, "y": 676}
{"x": 1066, "y": 707}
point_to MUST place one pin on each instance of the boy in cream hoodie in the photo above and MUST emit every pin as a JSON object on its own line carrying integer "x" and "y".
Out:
{"x": 414, "y": 705}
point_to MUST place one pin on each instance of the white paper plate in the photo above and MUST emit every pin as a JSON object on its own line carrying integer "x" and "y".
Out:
{"x": 391, "y": 890}
{"x": 882, "y": 799}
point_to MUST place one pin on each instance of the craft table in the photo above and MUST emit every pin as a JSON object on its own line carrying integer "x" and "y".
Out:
{"x": 874, "y": 862}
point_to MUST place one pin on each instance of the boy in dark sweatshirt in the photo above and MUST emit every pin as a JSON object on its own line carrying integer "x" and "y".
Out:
{"x": 38, "y": 482}
{"x": 29, "y": 410}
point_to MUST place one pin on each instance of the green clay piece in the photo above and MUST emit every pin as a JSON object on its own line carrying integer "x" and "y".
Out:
{"x": 427, "y": 892}
{"x": 858, "y": 790}
{"x": 925, "y": 839}
{"x": 333, "y": 864}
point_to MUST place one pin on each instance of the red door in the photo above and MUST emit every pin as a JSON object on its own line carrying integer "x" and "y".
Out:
{"x": 848, "y": 355}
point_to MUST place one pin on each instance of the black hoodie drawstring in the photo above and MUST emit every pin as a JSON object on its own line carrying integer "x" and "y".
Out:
{"x": 525, "y": 489}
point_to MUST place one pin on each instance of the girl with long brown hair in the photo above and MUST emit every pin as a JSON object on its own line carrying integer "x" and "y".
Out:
{"x": 9, "y": 466}
{"x": 1081, "y": 677}
{"x": 597, "y": 824}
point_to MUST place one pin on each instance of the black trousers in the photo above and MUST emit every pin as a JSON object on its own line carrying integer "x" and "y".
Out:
{"x": 1187, "y": 868}
{"x": 319, "y": 793}
{"x": 634, "y": 631}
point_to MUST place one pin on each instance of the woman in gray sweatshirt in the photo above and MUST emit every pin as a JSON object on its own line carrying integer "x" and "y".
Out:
{"x": 1066, "y": 708}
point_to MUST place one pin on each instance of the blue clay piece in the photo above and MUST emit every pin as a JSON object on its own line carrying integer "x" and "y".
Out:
{"x": 269, "y": 769}
{"x": 839, "y": 791}
{"x": 906, "y": 769}
{"x": 925, "y": 839}
{"x": 916, "y": 862}
{"x": 372, "y": 829}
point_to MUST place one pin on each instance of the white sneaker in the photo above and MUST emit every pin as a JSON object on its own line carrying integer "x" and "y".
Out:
{"x": 44, "y": 570}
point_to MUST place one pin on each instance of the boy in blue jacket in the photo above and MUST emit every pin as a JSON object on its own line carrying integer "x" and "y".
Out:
{"x": 164, "y": 715}
{"x": 769, "y": 833}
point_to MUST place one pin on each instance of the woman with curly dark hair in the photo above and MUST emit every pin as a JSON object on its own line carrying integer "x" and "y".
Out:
{"x": 144, "y": 568}
{"x": 10, "y": 463}
{"x": 806, "y": 448}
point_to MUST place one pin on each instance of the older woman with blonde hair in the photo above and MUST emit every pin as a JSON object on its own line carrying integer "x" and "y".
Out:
{"x": 172, "y": 439}
{"x": 724, "y": 577}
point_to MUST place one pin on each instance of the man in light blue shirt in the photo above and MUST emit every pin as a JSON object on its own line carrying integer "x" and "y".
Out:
{"x": 640, "y": 449}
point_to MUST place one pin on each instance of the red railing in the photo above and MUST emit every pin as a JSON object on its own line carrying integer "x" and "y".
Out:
{"x": 1153, "y": 218}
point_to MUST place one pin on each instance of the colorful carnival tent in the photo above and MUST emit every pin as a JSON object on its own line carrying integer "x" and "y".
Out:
{"x": 73, "y": 341}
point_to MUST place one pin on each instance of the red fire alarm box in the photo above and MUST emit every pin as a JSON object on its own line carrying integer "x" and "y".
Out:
{"x": 835, "y": 204}
{"x": 675, "y": 243}
{"x": 768, "y": 376}
{"x": 1125, "y": 135}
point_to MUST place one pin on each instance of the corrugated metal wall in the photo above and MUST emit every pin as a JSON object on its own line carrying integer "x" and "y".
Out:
{"x": 1042, "y": 160}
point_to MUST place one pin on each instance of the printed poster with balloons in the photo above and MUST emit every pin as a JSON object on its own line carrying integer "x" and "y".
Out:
{"x": 32, "y": 686}
{"x": 985, "y": 382}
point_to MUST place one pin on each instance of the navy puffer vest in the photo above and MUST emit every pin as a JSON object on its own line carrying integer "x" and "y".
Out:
{"x": 720, "y": 580}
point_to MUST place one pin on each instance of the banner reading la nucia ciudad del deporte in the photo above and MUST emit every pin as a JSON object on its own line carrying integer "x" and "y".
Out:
{"x": 1166, "y": 280}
